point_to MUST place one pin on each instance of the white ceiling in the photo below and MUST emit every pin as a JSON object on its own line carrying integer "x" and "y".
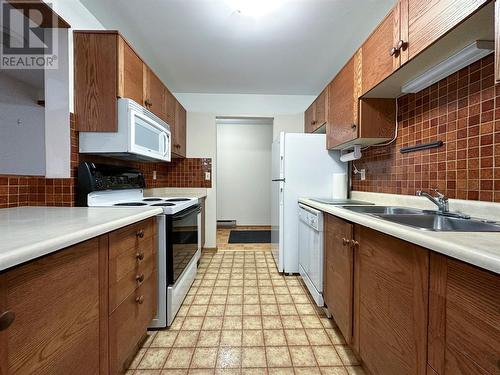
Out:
{"x": 204, "y": 46}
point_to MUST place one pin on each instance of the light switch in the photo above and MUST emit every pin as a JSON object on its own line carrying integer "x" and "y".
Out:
{"x": 207, "y": 176}
{"x": 154, "y": 175}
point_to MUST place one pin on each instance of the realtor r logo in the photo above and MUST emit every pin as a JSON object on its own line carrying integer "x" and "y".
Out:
{"x": 27, "y": 39}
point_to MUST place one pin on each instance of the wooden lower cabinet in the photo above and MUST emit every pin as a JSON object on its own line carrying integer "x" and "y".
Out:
{"x": 62, "y": 321}
{"x": 406, "y": 310}
{"x": 464, "y": 319}
{"x": 58, "y": 310}
{"x": 128, "y": 324}
{"x": 391, "y": 301}
{"x": 338, "y": 273}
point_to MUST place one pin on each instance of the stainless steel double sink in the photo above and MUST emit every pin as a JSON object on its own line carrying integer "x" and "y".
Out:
{"x": 427, "y": 220}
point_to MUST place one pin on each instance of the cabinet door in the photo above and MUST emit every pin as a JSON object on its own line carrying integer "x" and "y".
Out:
{"x": 430, "y": 20}
{"x": 464, "y": 319}
{"x": 321, "y": 109}
{"x": 391, "y": 286}
{"x": 308, "y": 119}
{"x": 338, "y": 273}
{"x": 129, "y": 322}
{"x": 60, "y": 308}
{"x": 380, "y": 53}
{"x": 180, "y": 131}
{"x": 344, "y": 92}
{"x": 95, "y": 81}
{"x": 170, "y": 109}
{"x": 154, "y": 97}
{"x": 130, "y": 73}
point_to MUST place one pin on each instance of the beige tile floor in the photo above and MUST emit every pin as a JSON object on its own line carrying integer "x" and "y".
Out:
{"x": 223, "y": 237}
{"x": 242, "y": 317}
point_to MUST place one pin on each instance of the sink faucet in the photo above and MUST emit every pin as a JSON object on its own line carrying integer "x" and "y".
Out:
{"x": 440, "y": 200}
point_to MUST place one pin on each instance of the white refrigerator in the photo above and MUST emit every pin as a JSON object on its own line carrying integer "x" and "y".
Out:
{"x": 301, "y": 167}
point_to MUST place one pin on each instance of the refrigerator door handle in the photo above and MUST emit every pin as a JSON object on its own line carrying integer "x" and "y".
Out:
{"x": 278, "y": 180}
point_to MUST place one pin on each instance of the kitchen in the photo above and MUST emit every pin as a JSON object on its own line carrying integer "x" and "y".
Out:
{"x": 384, "y": 253}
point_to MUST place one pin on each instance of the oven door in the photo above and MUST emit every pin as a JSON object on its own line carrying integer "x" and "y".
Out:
{"x": 183, "y": 242}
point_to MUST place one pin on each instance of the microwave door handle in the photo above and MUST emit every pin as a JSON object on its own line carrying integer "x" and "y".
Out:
{"x": 165, "y": 144}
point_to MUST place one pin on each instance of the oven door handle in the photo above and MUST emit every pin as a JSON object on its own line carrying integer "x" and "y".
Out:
{"x": 182, "y": 215}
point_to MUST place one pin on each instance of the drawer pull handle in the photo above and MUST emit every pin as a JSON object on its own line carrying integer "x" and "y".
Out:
{"x": 140, "y": 278}
{"x": 140, "y": 300}
{"x": 354, "y": 243}
{"x": 139, "y": 256}
{"x": 140, "y": 234}
{"x": 345, "y": 241}
{"x": 6, "y": 319}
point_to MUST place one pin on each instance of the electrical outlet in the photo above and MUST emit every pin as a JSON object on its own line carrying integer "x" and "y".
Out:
{"x": 154, "y": 175}
{"x": 363, "y": 174}
{"x": 207, "y": 176}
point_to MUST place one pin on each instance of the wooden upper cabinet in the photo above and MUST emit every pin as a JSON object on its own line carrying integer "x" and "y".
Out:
{"x": 338, "y": 273}
{"x": 321, "y": 109}
{"x": 60, "y": 313}
{"x": 154, "y": 94}
{"x": 391, "y": 302}
{"x": 381, "y": 52}
{"x": 95, "y": 88}
{"x": 352, "y": 120}
{"x": 130, "y": 73}
{"x": 464, "y": 319}
{"x": 107, "y": 68}
{"x": 317, "y": 113}
{"x": 308, "y": 119}
{"x": 428, "y": 21}
{"x": 343, "y": 95}
{"x": 170, "y": 108}
{"x": 179, "y": 135}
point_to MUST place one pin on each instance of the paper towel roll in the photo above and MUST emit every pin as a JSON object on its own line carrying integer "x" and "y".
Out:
{"x": 339, "y": 190}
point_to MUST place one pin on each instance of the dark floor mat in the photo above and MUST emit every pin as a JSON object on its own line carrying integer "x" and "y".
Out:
{"x": 250, "y": 236}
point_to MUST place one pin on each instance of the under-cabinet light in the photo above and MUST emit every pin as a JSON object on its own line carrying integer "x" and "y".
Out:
{"x": 473, "y": 52}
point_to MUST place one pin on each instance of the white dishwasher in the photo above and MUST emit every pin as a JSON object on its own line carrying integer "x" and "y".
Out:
{"x": 311, "y": 251}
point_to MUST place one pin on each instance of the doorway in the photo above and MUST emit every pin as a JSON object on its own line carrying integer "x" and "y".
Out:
{"x": 243, "y": 180}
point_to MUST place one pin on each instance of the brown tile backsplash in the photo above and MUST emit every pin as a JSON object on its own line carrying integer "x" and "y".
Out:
{"x": 18, "y": 191}
{"x": 463, "y": 111}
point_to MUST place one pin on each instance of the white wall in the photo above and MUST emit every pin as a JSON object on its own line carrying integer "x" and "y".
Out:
{"x": 243, "y": 173}
{"x": 202, "y": 143}
{"x": 22, "y": 145}
{"x": 288, "y": 123}
{"x": 79, "y": 17}
{"x": 287, "y": 111}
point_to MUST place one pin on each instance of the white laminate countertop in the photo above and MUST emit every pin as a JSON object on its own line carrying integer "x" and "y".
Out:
{"x": 176, "y": 192}
{"x": 30, "y": 232}
{"x": 479, "y": 249}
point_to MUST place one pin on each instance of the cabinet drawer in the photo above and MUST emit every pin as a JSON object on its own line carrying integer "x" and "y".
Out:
{"x": 134, "y": 235}
{"x": 129, "y": 322}
{"x": 129, "y": 268}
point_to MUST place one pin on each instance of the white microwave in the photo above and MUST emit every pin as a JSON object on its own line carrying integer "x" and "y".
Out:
{"x": 141, "y": 136}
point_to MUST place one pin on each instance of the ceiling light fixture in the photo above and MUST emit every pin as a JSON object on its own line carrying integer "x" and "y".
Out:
{"x": 254, "y": 8}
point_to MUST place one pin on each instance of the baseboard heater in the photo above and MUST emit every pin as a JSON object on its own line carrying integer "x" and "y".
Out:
{"x": 226, "y": 223}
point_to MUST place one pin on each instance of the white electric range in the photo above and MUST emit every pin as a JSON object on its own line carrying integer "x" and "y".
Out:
{"x": 179, "y": 234}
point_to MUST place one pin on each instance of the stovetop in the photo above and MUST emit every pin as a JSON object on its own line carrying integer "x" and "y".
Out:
{"x": 135, "y": 198}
